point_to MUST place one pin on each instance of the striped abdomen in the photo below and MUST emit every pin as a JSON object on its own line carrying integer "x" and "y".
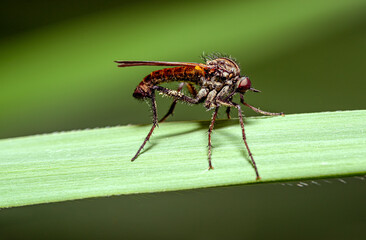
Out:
{"x": 181, "y": 74}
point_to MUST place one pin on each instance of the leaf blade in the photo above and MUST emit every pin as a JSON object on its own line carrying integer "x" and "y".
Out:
{"x": 91, "y": 163}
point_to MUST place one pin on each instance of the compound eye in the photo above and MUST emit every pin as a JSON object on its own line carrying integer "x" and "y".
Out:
{"x": 244, "y": 84}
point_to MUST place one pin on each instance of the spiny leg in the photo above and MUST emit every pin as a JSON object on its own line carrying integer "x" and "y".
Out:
{"x": 171, "y": 109}
{"x": 178, "y": 95}
{"x": 240, "y": 114}
{"x": 228, "y": 112}
{"x": 245, "y": 139}
{"x": 209, "y": 137}
{"x": 258, "y": 110}
{"x": 155, "y": 123}
{"x": 228, "y": 108}
{"x": 192, "y": 91}
{"x": 263, "y": 112}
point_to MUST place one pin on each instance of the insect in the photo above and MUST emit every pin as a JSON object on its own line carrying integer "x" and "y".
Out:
{"x": 218, "y": 80}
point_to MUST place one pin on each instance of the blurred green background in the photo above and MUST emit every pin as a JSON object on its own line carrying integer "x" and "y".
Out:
{"x": 57, "y": 73}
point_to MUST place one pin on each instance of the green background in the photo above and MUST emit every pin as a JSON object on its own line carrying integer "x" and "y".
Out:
{"x": 57, "y": 73}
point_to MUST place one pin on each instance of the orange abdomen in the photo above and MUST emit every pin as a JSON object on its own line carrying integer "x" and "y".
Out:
{"x": 181, "y": 74}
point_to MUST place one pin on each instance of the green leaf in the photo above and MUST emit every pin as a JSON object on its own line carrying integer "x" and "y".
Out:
{"x": 90, "y": 163}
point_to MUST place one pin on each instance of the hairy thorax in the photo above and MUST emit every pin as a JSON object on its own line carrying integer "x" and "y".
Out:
{"x": 219, "y": 82}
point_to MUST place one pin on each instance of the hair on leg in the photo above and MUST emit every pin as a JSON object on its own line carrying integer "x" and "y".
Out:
{"x": 257, "y": 110}
{"x": 214, "y": 115}
{"x": 155, "y": 123}
{"x": 172, "y": 107}
{"x": 245, "y": 140}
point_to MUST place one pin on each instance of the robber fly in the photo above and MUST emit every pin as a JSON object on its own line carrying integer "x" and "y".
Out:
{"x": 218, "y": 80}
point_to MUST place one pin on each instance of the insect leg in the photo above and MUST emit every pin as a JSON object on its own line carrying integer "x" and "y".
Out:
{"x": 178, "y": 95}
{"x": 228, "y": 108}
{"x": 258, "y": 110}
{"x": 245, "y": 139}
{"x": 191, "y": 89}
{"x": 155, "y": 123}
{"x": 240, "y": 114}
{"x": 228, "y": 112}
{"x": 171, "y": 109}
{"x": 209, "y": 137}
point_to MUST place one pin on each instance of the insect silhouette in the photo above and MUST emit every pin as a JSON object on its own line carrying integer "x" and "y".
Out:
{"x": 218, "y": 80}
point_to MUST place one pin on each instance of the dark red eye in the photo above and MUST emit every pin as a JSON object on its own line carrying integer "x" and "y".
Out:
{"x": 244, "y": 84}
